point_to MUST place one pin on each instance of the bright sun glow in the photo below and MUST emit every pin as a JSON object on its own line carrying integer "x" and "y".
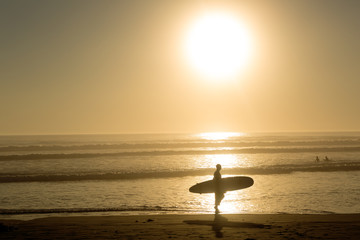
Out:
{"x": 226, "y": 160}
{"x": 220, "y": 135}
{"x": 218, "y": 45}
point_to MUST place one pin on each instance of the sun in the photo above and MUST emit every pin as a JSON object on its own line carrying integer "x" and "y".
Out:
{"x": 218, "y": 45}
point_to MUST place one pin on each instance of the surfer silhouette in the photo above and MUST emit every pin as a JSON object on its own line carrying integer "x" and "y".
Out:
{"x": 219, "y": 193}
{"x": 220, "y": 186}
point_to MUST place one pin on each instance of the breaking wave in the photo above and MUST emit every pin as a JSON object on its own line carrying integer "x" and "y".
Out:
{"x": 265, "y": 170}
{"x": 38, "y": 156}
{"x": 187, "y": 144}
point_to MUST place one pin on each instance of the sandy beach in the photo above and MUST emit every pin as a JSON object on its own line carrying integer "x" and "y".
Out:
{"x": 254, "y": 226}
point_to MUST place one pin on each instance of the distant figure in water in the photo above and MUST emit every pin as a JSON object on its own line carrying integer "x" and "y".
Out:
{"x": 317, "y": 159}
{"x": 326, "y": 159}
{"x": 219, "y": 193}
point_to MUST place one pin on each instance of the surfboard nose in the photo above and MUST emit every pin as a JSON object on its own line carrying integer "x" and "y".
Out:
{"x": 251, "y": 182}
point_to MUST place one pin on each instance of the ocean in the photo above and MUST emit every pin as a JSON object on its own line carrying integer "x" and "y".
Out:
{"x": 54, "y": 175}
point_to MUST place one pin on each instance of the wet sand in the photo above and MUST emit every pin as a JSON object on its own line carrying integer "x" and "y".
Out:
{"x": 247, "y": 226}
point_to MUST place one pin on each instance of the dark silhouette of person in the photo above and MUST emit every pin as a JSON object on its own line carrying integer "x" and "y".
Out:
{"x": 317, "y": 159}
{"x": 219, "y": 193}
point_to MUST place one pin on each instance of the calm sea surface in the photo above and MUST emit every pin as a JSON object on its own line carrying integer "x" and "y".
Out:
{"x": 151, "y": 173}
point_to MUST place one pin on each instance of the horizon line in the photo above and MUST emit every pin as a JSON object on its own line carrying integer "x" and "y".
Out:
{"x": 183, "y": 133}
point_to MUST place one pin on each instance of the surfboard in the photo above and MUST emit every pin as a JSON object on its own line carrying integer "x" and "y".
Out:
{"x": 226, "y": 184}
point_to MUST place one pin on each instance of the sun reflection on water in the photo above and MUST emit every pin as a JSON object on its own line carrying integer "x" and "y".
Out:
{"x": 215, "y": 136}
{"x": 229, "y": 162}
{"x": 226, "y": 160}
{"x": 233, "y": 202}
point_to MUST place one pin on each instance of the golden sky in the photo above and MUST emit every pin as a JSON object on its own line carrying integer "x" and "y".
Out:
{"x": 120, "y": 67}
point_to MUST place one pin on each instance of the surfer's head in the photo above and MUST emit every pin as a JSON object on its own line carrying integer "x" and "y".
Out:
{"x": 218, "y": 167}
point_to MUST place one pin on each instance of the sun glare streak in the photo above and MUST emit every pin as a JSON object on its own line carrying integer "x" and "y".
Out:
{"x": 218, "y": 45}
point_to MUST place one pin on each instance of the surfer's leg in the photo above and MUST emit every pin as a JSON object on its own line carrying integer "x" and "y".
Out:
{"x": 218, "y": 198}
{"x": 221, "y": 197}
{"x": 217, "y": 202}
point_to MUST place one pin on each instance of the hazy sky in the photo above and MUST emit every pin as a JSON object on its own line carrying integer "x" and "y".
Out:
{"x": 119, "y": 67}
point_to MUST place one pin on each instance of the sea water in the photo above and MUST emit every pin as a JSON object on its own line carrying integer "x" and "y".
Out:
{"x": 151, "y": 173}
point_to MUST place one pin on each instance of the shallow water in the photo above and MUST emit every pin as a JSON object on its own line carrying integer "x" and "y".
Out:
{"x": 59, "y": 182}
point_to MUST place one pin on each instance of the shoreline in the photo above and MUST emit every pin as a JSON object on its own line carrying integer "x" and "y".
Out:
{"x": 195, "y": 226}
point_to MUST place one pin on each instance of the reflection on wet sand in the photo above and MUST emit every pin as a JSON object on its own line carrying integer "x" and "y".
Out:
{"x": 220, "y": 222}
